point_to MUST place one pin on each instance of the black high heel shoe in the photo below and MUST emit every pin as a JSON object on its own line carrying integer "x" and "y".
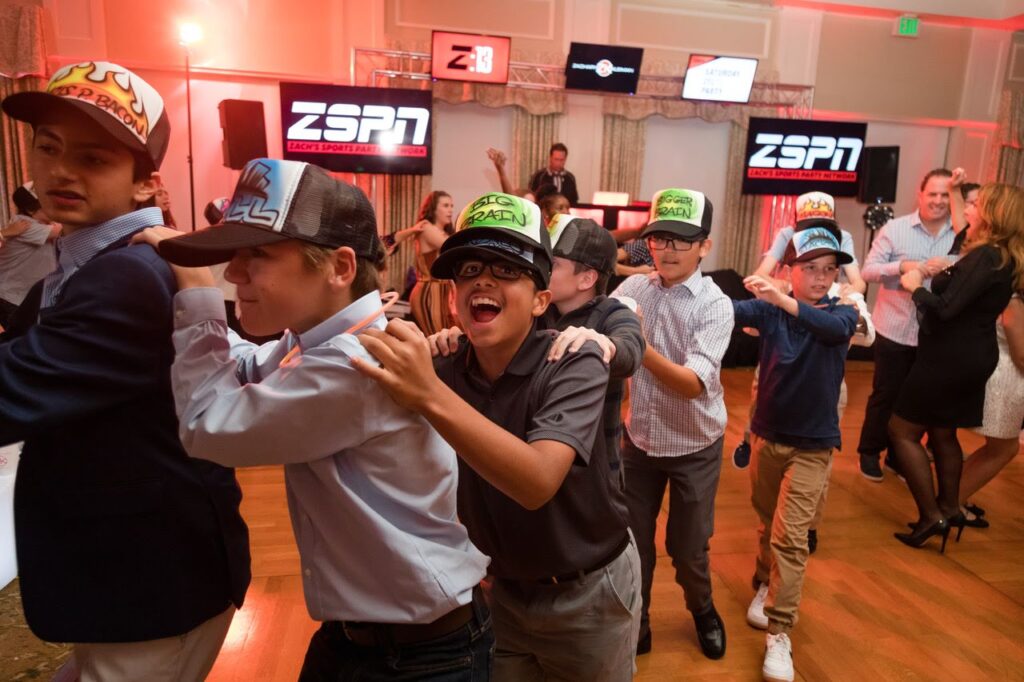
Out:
{"x": 974, "y": 509}
{"x": 919, "y": 536}
{"x": 958, "y": 521}
{"x": 973, "y": 520}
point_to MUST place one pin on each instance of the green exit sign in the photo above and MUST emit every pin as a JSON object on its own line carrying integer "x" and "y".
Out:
{"x": 907, "y": 26}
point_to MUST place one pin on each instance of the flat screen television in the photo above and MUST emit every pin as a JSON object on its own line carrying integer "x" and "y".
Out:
{"x": 603, "y": 68}
{"x": 719, "y": 79}
{"x": 470, "y": 57}
{"x": 357, "y": 130}
{"x": 793, "y": 156}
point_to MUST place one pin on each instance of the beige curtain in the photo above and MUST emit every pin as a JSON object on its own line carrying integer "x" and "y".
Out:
{"x": 622, "y": 155}
{"x": 740, "y": 243}
{"x": 398, "y": 200}
{"x": 532, "y": 137}
{"x": 536, "y": 101}
{"x": 22, "y": 66}
{"x": 15, "y": 142}
{"x": 1010, "y": 135}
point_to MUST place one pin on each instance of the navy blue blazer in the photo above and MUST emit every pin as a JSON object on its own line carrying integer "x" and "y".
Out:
{"x": 121, "y": 536}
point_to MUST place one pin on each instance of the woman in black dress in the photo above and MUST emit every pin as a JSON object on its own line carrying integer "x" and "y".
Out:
{"x": 956, "y": 353}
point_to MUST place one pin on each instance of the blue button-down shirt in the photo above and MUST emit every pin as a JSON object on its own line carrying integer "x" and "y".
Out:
{"x": 81, "y": 246}
{"x": 371, "y": 486}
{"x": 903, "y": 238}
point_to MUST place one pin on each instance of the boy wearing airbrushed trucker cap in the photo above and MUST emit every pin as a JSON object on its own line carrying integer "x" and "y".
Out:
{"x": 534, "y": 487}
{"x": 677, "y": 408}
{"x": 126, "y": 546}
{"x": 387, "y": 568}
{"x": 804, "y": 339}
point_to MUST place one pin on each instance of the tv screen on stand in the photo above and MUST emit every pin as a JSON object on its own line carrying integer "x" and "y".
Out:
{"x": 719, "y": 79}
{"x": 470, "y": 57}
{"x": 603, "y": 68}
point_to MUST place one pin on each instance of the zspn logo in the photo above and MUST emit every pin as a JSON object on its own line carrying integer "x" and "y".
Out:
{"x": 803, "y": 152}
{"x": 352, "y": 123}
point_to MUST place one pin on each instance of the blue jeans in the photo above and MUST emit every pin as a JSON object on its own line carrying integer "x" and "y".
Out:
{"x": 465, "y": 655}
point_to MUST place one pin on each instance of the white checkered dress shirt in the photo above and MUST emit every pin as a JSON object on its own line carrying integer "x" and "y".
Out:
{"x": 690, "y": 324}
{"x": 902, "y": 238}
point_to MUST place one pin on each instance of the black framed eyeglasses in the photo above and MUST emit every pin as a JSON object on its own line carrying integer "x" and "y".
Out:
{"x": 675, "y": 243}
{"x": 500, "y": 269}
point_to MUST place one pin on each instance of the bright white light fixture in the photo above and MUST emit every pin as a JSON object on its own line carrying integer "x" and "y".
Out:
{"x": 189, "y": 33}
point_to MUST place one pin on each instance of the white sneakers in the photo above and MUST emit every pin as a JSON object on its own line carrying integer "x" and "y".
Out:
{"x": 755, "y": 612}
{"x": 778, "y": 659}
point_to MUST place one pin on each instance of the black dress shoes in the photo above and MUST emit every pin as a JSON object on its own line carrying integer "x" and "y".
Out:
{"x": 710, "y": 633}
{"x": 643, "y": 645}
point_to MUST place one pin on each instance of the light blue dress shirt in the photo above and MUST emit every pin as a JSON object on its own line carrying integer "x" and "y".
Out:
{"x": 371, "y": 486}
{"x": 79, "y": 247}
{"x": 900, "y": 239}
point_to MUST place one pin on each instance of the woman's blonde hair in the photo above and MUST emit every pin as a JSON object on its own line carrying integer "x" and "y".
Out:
{"x": 1001, "y": 208}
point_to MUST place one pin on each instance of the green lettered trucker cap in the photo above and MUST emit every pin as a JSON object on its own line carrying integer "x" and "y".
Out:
{"x": 502, "y": 225}
{"x": 683, "y": 212}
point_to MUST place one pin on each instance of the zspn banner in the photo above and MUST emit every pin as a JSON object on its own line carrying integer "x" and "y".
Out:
{"x": 786, "y": 156}
{"x": 357, "y": 130}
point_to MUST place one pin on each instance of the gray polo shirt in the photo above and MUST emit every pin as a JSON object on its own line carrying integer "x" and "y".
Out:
{"x": 25, "y": 259}
{"x": 582, "y": 525}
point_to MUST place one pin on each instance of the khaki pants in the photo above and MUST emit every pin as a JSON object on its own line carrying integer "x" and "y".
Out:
{"x": 840, "y": 408}
{"x": 787, "y": 485}
{"x": 182, "y": 658}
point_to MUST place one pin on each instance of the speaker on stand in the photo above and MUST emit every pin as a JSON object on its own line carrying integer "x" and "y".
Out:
{"x": 245, "y": 133}
{"x": 876, "y": 185}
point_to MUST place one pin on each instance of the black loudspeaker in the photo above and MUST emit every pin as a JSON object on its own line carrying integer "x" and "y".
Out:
{"x": 877, "y": 175}
{"x": 245, "y": 133}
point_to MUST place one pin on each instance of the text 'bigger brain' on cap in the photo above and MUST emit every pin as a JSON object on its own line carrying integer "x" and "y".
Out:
{"x": 677, "y": 206}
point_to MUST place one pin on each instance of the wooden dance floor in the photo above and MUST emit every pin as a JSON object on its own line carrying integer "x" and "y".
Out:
{"x": 872, "y": 609}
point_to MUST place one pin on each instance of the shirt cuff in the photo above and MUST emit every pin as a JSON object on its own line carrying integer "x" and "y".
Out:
{"x": 892, "y": 269}
{"x": 198, "y": 304}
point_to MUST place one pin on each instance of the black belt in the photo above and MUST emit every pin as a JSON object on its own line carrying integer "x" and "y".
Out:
{"x": 578, "y": 575}
{"x": 384, "y": 634}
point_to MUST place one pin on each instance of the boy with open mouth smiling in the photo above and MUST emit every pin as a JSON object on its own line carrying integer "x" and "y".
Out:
{"x": 534, "y": 492}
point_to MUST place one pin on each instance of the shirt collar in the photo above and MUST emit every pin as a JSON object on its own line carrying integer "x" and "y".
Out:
{"x": 915, "y": 221}
{"x": 336, "y": 324}
{"x": 79, "y": 247}
{"x": 694, "y": 283}
{"x": 369, "y": 306}
{"x": 582, "y": 311}
{"x": 525, "y": 362}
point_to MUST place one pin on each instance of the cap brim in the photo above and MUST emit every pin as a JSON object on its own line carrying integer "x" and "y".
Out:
{"x": 680, "y": 229}
{"x": 841, "y": 257}
{"x": 216, "y": 244}
{"x": 444, "y": 266}
{"x": 816, "y": 222}
{"x": 32, "y": 107}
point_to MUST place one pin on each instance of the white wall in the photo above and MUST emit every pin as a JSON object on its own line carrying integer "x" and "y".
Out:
{"x": 688, "y": 153}
{"x": 462, "y": 135}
